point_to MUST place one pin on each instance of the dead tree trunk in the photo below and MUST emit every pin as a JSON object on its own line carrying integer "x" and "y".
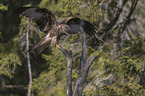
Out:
{"x": 68, "y": 54}
{"x": 84, "y": 69}
{"x": 28, "y": 59}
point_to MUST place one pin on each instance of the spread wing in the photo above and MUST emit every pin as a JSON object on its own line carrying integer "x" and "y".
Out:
{"x": 76, "y": 24}
{"x": 44, "y": 18}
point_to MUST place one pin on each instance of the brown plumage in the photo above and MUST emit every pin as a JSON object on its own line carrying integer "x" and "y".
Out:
{"x": 46, "y": 22}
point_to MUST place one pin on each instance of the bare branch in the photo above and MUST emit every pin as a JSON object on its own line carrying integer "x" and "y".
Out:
{"x": 83, "y": 57}
{"x": 28, "y": 60}
{"x": 128, "y": 18}
{"x": 126, "y": 22}
{"x": 84, "y": 67}
{"x": 68, "y": 54}
{"x": 15, "y": 86}
{"x": 82, "y": 77}
{"x": 113, "y": 22}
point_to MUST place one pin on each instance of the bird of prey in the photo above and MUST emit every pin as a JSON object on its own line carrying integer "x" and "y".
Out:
{"x": 46, "y": 22}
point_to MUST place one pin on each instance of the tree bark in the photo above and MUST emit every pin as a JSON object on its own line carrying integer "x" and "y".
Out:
{"x": 68, "y": 54}
{"x": 82, "y": 76}
{"x": 84, "y": 68}
{"x": 83, "y": 72}
{"x": 83, "y": 58}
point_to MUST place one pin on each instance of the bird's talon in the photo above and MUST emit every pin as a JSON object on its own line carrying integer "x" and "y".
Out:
{"x": 57, "y": 46}
{"x": 66, "y": 33}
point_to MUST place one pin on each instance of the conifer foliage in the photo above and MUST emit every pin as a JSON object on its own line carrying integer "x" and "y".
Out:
{"x": 118, "y": 67}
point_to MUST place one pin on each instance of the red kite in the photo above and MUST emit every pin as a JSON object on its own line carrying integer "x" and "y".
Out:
{"x": 46, "y": 22}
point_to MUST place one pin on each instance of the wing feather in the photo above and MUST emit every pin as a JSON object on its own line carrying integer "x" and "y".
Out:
{"x": 76, "y": 24}
{"x": 44, "y": 18}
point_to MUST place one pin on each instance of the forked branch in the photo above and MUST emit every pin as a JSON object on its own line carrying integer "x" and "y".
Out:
{"x": 68, "y": 54}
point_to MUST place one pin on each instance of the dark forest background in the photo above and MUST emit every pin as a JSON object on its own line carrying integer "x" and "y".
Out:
{"x": 118, "y": 70}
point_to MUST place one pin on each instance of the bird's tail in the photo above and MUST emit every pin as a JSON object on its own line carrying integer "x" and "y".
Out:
{"x": 39, "y": 47}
